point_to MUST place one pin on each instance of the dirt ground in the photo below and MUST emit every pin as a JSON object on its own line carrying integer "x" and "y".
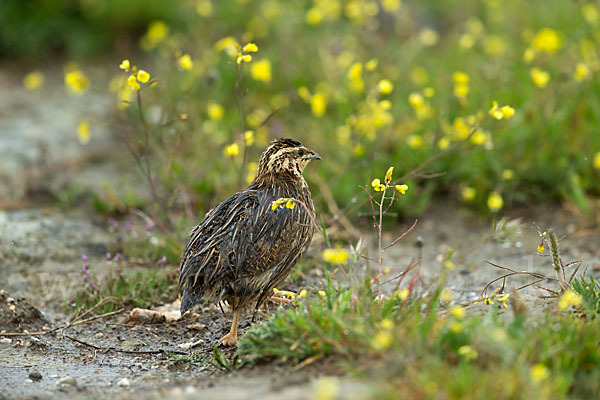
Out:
{"x": 40, "y": 267}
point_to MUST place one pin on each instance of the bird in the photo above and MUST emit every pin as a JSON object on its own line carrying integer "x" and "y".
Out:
{"x": 248, "y": 244}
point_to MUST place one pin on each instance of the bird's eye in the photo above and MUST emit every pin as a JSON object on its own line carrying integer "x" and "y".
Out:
{"x": 300, "y": 153}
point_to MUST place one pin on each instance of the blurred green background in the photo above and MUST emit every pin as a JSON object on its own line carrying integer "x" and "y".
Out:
{"x": 368, "y": 84}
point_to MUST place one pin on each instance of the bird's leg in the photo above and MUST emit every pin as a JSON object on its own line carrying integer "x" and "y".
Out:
{"x": 231, "y": 338}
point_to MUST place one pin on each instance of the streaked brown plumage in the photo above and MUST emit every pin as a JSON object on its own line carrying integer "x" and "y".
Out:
{"x": 243, "y": 248}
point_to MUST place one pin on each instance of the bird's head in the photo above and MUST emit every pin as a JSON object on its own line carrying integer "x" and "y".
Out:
{"x": 286, "y": 157}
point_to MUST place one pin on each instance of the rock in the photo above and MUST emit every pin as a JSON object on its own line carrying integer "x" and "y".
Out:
{"x": 6, "y": 340}
{"x": 35, "y": 375}
{"x": 124, "y": 382}
{"x": 67, "y": 381}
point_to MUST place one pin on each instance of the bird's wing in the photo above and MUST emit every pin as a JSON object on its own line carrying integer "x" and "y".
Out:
{"x": 238, "y": 240}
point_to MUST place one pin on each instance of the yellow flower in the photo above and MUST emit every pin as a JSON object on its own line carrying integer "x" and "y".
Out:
{"x": 204, "y": 8}
{"x": 261, "y": 70}
{"x": 384, "y": 86}
{"x": 461, "y": 90}
{"x": 539, "y": 373}
{"x": 428, "y": 37}
{"x": 458, "y": 312}
{"x": 501, "y": 112}
{"x": 460, "y": 77}
{"x": 590, "y": 13}
{"x": 582, "y": 71}
{"x": 157, "y": 32}
{"x": 402, "y": 188}
{"x": 76, "y": 81}
{"x": 416, "y": 100}
{"x": 547, "y": 40}
{"x": 528, "y": 55}
{"x": 355, "y": 77}
{"x": 243, "y": 58}
{"x": 429, "y": 92}
{"x": 596, "y": 162}
{"x": 540, "y": 78}
{"x": 467, "y": 352}
{"x": 335, "y": 256}
{"x": 229, "y": 45}
{"x": 33, "y": 81}
{"x": 250, "y": 48}
{"x": 387, "y": 324}
{"x": 390, "y": 6}
{"x": 508, "y": 174}
{"x": 125, "y": 65}
{"x": 468, "y": 193}
{"x": 318, "y": 104}
{"x": 449, "y": 264}
{"x": 444, "y": 143}
{"x": 402, "y": 294}
{"x": 83, "y": 132}
{"x": 388, "y": 175}
{"x": 495, "y": 202}
{"x": 466, "y": 41}
{"x": 504, "y": 299}
{"x": 133, "y": 83}
{"x": 382, "y": 340}
{"x": 215, "y": 111}
{"x": 376, "y": 184}
{"x": 143, "y": 76}
{"x": 414, "y": 141}
{"x": 290, "y": 204}
{"x": 302, "y": 294}
{"x": 371, "y": 64}
{"x": 232, "y": 150}
{"x": 249, "y": 137}
{"x": 570, "y": 299}
{"x": 185, "y": 62}
{"x": 322, "y": 293}
{"x": 446, "y": 295}
{"x": 540, "y": 248}
{"x": 326, "y": 388}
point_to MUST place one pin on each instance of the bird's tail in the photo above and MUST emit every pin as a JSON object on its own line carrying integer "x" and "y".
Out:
{"x": 189, "y": 299}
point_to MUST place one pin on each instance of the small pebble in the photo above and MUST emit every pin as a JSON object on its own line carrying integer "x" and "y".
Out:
{"x": 67, "y": 381}
{"x": 6, "y": 340}
{"x": 124, "y": 382}
{"x": 99, "y": 335}
{"x": 35, "y": 376}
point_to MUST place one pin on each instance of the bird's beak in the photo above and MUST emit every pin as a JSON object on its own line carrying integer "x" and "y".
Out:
{"x": 315, "y": 157}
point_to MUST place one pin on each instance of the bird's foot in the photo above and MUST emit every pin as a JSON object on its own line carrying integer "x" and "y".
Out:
{"x": 229, "y": 340}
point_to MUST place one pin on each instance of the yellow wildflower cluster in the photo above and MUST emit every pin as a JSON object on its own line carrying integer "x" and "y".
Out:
{"x": 355, "y": 77}
{"x": 290, "y": 295}
{"x": 501, "y": 298}
{"x": 157, "y": 32}
{"x": 283, "y": 202}
{"x": 468, "y": 193}
{"x": 136, "y": 77}
{"x": 76, "y": 81}
{"x": 570, "y": 299}
{"x": 33, "y": 81}
{"x": 422, "y": 108}
{"x": 243, "y": 53}
{"x": 317, "y": 101}
{"x": 215, "y": 111}
{"x": 468, "y": 352}
{"x": 546, "y": 40}
{"x": 372, "y": 115}
{"x": 461, "y": 85}
{"x": 503, "y": 112}
{"x": 335, "y": 256}
{"x": 323, "y": 10}
{"x": 229, "y": 45}
{"x": 384, "y": 338}
{"x": 401, "y": 294}
{"x": 379, "y": 187}
{"x": 362, "y": 12}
